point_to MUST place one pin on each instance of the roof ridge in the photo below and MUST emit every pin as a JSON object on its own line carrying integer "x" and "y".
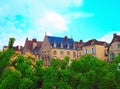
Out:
{"x": 58, "y": 37}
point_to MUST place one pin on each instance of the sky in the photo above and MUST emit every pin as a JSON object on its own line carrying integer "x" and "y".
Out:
{"x": 77, "y": 19}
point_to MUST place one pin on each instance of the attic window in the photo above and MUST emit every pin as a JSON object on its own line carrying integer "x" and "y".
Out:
{"x": 92, "y": 43}
{"x": 61, "y": 45}
{"x": 54, "y": 44}
{"x": 68, "y": 46}
{"x": 73, "y": 46}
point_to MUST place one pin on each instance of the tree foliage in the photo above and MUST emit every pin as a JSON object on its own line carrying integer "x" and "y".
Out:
{"x": 87, "y": 72}
{"x": 11, "y": 42}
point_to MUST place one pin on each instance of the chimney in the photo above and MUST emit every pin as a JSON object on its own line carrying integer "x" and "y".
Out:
{"x": 34, "y": 40}
{"x": 26, "y": 38}
{"x": 81, "y": 41}
{"x": 66, "y": 38}
{"x": 17, "y": 47}
{"x": 21, "y": 47}
{"x": 114, "y": 34}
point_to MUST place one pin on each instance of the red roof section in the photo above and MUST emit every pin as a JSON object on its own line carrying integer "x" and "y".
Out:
{"x": 29, "y": 43}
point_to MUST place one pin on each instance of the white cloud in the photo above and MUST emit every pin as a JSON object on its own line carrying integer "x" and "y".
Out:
{"x": 78, "y": 2}
{"x": 76, "y": 15}
{"x": 52, "y": 22}
{"x": 32, "y": 18}
{"x": 109, "y": 36}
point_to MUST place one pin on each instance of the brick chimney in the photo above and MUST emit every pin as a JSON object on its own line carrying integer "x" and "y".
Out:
{"x": 81, "y": 41}
{"x": 34, "y": 40}
{"x": 66, "y": 38}
{"x": 26, "y": 38}
{"x": 115, "y": 34}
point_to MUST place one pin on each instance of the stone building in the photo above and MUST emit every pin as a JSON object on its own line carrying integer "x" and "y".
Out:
{"x": 114, "y": 48}
{"x": 57, "y": 47}
{"x": 96, "y": 48}
{"x": 32, "y": 46}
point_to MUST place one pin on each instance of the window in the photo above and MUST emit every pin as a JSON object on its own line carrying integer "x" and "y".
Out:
{"x": 54, "y": 52}
{"x": 68, "y": 46}
{"x": 118, "y": 45}
{"x": 112, "y": 55}
{"x": 73, "y": 46}
{"x": 80, "y": 53}
{"x": 85, "y": 51}
{"x": 68, "y": 52}
{"x": 61, "y": 45}
{"x": 92, "y": 50}
{"x": 105, "y": 51}
{"x": 74, "y": 54}
{"x": 54, "y": 44}
{"x": 61, "y": 53}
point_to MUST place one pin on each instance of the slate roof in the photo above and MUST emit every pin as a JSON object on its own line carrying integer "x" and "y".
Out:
{"x": 116, "y": 38}
{"x": 95, "y": 42}
{"x": 65, "y": 41}
{"x": 36, "y": 49}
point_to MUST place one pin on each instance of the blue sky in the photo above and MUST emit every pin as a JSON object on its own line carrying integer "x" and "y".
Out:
{"x": 80, "y": 19}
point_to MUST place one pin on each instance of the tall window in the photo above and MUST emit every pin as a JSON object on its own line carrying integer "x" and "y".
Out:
{"x": 92, "y": 50}
{"x": 54, "y": 44}
{"x": 118, "y": 45}
{"x": 73, "y": 46}
{"x": 74, "y": 54}
{"x": 79, "y": 53}
{"x": 61, "y": 45}
{"x": 105, "y": 51}
{"x": 85, "y": 51}
{"x": 68, "y": 52}
{"x": 112, "y": 55}
{"x": 61, "y": 53}
{"x": 68, "y": 46}
{"x": 54, "y": 52}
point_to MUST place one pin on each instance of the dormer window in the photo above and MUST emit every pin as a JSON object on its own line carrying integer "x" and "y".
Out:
{"x": 61, "y": 45}
{"x": 54, "y": 44}
{"x": 92, "y": 43}
{"x": 73, "y": 46}
{"x": 68, "y": 46}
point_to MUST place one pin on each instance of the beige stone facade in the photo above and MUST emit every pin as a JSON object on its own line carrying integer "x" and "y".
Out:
{"x": 114, "y": 48}
{"x": 48, "y": 51}
{"x": 96, "y": 48}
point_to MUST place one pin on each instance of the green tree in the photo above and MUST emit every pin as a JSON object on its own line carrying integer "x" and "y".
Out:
{"x": 11, "y": 42}
{"x": 25, "y": 83}
{"x": 10, "y": 79}
{"x": 5, "y": 57}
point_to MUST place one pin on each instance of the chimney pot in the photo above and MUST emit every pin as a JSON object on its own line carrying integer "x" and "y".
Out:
{"x": 114, "y": 34}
